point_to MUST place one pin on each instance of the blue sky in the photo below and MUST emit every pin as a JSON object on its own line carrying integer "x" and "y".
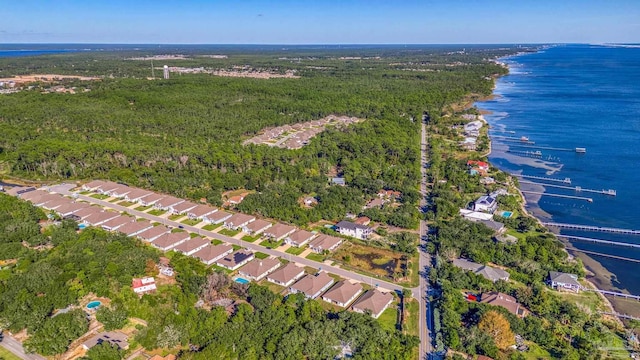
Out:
{"x": 319, "y": 22}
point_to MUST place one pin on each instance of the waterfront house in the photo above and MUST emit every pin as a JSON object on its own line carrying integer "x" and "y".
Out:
{"x": 312, "y": 285}
{"x": 342, "y": 293}
{"x": 279, "y": 231}
{"x": 286, "y": 275}
{"x": 325, "y": 243}
{"x": 168, "y": 241}
{"x": 238, "y": 220}
{"x": 153, "y": 233}
{"x": 486, "y": 203}
{"x": 257, "y": 269}
{"x": 143, "y": 285}
{"x": 475, "y": 215}
{"x": 212, "y": 253}
{"x": 192, "y": 246}
{"x": 564, "y": 281}
{"x": 481, "y": 165}
{"x": 497, "y": 227}
{"x": 373, "y": 301}
{"x": 508, "y": 302}
{"x": 235, "y": 260}
{"x": 257, "y": 227}
{"x": 354, "y": 230}
{"x": 299, "y": 238}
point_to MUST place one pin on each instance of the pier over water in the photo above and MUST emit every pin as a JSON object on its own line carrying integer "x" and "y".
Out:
{"x": 592, "y": 228}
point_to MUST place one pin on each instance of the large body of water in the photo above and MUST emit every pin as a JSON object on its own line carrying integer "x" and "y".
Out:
{"x": 567, "y": 97}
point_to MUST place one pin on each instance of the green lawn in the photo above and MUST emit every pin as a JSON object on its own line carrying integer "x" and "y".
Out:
{"x": 191, "y": 222}
{"x": 126, "y": 203}
{"x": 389, "y": 318}
{"x": 270, "y": 244}
{"x": 193, "y": 235}
{"x": 175, "y": 217}
{"x": 100, "y": 196}
{"x": 143, "y": 208}
{"x": 315, "y": 257}
{"x": 250, "y": 239}
{"x": 220, "y": 268}
{"x": 414, "y": 276}
{"x": 114, "y": 200}
{"x": 157, "y": 212}
{"x": 413, "y": 315}
{"x": 176, "y": 230}
{"x": 296, "y": 250}
{"x": 211, "y": 227}
{"x": 216, "y": 242}
{"x": 260, "y": 255}
{"x": 229, "y": 232}
{"x": 7, "y": 355}
{"x": 85, "y": 192}
{"x": 236, "y": 247}
{"x": 273, "y": 287}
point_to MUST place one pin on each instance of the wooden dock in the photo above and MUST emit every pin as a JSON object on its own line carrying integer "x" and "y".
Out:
{"x": 529, "y": 146}
{"x": 558, "y": 195}
{"x": 592, "y": 228}
{"x": 609, "y": 192}
{"x": 565, "y": 180}
{"x": 605, "y": 255}
{"x": 599, "y": 241}
{"x": 616, "y": 293}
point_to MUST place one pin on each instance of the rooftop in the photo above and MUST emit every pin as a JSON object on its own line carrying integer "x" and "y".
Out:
{"x": 342, "y": 292}
{"x": 286, "y": 273}
{"x": 258, "y": 267}
{"x": 311, "y": 284}
{"x": 373, "y": 300}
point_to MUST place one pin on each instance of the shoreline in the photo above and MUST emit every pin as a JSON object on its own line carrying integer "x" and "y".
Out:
{"x": 592, "y": 280}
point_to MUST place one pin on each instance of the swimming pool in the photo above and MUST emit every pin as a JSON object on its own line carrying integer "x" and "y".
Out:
{"x": 82, "y": 226}
{"x": 506, "y": 214}
{"x": 242, "y": 281}
{"x": 93, "y": 305}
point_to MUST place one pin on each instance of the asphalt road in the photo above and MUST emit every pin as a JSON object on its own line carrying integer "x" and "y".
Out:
{"x": 425, "y": 313}
{"x": 16, "y": 348}
{"x": 65, "y": 189}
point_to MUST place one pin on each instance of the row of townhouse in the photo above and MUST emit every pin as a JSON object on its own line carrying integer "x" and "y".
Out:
{"x": 162, "y": 237}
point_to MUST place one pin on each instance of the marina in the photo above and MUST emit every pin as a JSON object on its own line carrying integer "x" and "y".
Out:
{"x": 592, "y": 228}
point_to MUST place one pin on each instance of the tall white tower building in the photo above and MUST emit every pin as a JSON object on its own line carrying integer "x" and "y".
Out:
{"x": 166, "y": 72}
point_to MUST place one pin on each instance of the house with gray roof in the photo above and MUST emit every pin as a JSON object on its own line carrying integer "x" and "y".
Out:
{"x": 257, "y": 269}
{"x": 486, "y": 271}
{"x": 342, "y": 293}
{"x": 312, "y": 285}
{"x": 235, "y": 260}
{"x": 114, "y": 338}
{"x": 325, "y": 243}
{"x": 357, "y": 231}
{"x": 564, "y": 281}
{"x": 374, "y": 302}
{"x": 486, "y": 203}
{"x": 217, "y": 217}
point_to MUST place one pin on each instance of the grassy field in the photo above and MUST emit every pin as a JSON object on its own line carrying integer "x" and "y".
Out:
{"x": 315, "y": 257}
{"x": 191, "y": 222}
{"x": 369, "y": 260}
{"x": 588, "y": 299}
{"x": 250, "y": 239}
{"x": 7, "y": 355}
{"x": 211, "y": 227}
{"x": 100, "y": 196}
{"x": 229, "y": 232}
{"x": 412, "y": 317}
{"x": 273, "y": 287}
{"x": 296, "y": 250}
{"x": 175, "y": 217}
{"x": 156, "y": 212}
{"x": 389, "y": 318}
{"x": 270, "y": 244}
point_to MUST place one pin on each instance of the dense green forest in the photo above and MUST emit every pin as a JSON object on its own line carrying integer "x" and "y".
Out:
{"x": 43, "y": 280}
{"x": 184, "y": 135}
{"x": 558, "y": 326}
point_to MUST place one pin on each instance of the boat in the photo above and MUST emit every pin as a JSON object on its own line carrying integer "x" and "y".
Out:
{"x": 580, "y": 150}
{"x": 524, "y": 138}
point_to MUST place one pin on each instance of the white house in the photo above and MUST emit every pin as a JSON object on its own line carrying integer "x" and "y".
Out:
{"x": 143, "y": 285}
{"x": 354, "y": 230}
{"x": 486, "y": 204}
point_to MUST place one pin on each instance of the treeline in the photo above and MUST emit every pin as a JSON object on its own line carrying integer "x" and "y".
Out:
{"x": 183, "y": 136}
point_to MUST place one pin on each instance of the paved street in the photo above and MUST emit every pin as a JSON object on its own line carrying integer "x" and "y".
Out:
{"x": 16, "y": 348}
{"x": 66, "y": 190}
{"x": 425, "y": 313}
